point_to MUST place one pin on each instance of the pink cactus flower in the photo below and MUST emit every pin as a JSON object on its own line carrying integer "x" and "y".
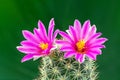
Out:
{"x": 40, "y": 43}
{"x": 81, "y": 41}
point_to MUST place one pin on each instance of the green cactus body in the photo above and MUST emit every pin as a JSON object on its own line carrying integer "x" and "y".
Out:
{"x": 55, "y": 67}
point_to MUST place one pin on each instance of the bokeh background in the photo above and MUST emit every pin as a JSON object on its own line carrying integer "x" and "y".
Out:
{"x": 18, "y": 15}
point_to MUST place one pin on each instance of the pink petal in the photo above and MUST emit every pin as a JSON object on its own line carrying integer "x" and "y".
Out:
{"x": 71, "y": 36}
{"x": 51, "y": 28}
{"x": 93, "y": 30}
{"x": 66, "y": 36}
{"x": 68, "y": 48}
{"x": 35, "y": 57}
{"x": 62, "y": 42}
{"x": 92, "y": 38}
{"x": 53, "y": 47}
{"x": 77, "y": 56}
{"x": 95, "y": 51}
{"x": 97, "y": 46}
{"x": 101, "y": 40}
{"x": 80, "y": 57}
{"x": 28, "y": 44}
{"x": 77, "y": 26}
{"x": 69, "y": 54}
{"x": 73, "y": 33}
{"x": 55, "y": 34}
{"x": 97, "y": 35}
{"x": 96, "y": 41}
{"x": 39, "y": 34}
{"x": 91, "y": 55}
{"x": 85, "y": 28}
{"x": 29, "y": 36}
{"x": 26, "y": 50}
{"x": 42, "y": 29}
{"x": 27, "y": 57}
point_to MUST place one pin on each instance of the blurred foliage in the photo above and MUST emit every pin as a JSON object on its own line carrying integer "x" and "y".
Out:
{"x": 18, "y": 15}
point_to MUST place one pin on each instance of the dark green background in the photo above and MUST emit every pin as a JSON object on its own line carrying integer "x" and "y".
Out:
{"x": 18, "y": 15}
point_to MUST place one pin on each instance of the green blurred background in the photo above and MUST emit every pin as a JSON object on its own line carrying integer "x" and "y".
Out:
{"x": 18, "y": 15}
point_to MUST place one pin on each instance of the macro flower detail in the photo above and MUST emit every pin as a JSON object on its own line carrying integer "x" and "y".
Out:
{"x": 39, "y": 43}
{"x": 80, "y": 46}
{"x": 81, "y": 41}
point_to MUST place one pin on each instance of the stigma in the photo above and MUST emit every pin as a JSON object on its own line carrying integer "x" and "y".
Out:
{"x": 80, "y": 45}
{"x": 43, "y": 46}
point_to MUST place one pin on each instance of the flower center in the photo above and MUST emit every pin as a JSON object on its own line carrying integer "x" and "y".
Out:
{"x": 81, "y": 46}
{"x": 43, "y": 46}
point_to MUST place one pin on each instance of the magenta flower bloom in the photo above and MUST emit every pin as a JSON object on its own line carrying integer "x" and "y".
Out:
{"x": 40, "y": 43}
{"x": 81, "y": 41}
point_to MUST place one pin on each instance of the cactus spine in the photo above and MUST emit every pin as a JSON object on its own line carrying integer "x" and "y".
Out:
{"x": 55, "y": 67}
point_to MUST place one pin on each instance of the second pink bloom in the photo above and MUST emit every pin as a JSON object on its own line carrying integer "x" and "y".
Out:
{"x": 81, "y": 41}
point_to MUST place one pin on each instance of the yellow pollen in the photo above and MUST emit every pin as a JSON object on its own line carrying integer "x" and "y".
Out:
{"x": 43, "y": 46}
{"x": 80, "y": 46}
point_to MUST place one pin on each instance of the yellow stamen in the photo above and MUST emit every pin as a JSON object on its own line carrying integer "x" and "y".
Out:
{"x": 43, "y": 46}
{"x": 80, "y": 46}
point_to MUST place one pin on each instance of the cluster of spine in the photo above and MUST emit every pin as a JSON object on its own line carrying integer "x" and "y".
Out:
{"x": 55, "y": 67}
